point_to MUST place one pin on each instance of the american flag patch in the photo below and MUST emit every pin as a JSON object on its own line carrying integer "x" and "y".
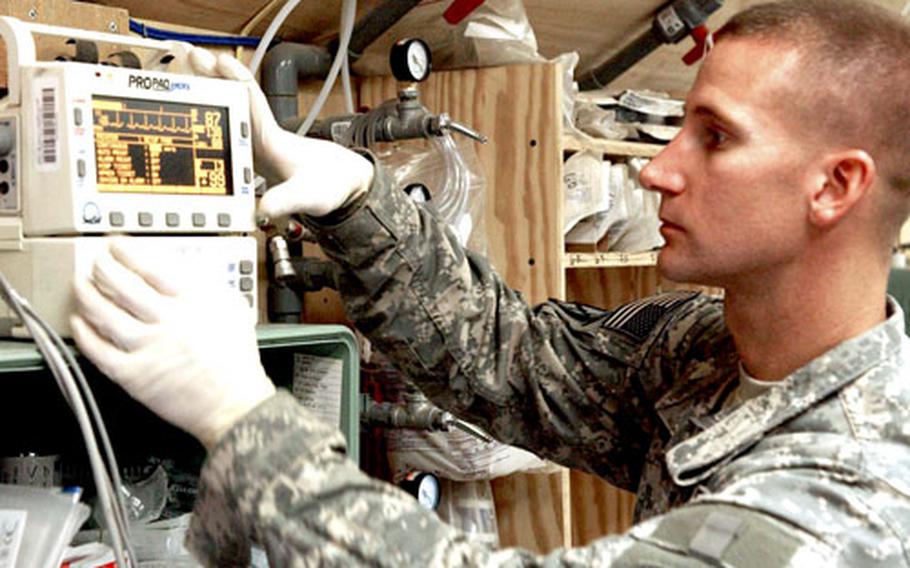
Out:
{"x": 639, "y": 318}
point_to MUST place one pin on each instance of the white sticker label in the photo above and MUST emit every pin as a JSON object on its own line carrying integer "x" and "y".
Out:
{"x": 12, "y": 527}
{"x": 340, "y": 131}
{"x": 47, "y": 152}
{"x": 317, "y": 385}
{"x": 670, "y": 22}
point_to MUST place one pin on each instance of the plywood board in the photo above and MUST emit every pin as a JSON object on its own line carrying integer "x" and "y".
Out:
{"x": 309, "y": 21}
{"x": 595, "y": 29}
{"x": 598, "y": 509}
{"x": 611, "y": 287}
{"x": 61, "y": 13}
{"x": 530, "y": 510}
{"x": 518, "y": 108}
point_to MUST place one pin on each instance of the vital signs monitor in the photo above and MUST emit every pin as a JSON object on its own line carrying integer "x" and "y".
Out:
{"x": 89, "y": 150}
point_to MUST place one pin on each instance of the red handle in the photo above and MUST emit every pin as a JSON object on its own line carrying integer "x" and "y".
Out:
{"x": 459, "y": 10}
{"x": 700, "y": 35}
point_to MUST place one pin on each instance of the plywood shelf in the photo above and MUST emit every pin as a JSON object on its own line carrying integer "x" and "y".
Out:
{"x": 608, "y": 259}
{"x": 574, "y": 143}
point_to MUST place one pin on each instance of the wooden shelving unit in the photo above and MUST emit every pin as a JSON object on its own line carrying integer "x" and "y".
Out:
{"x": 609, "y": 259}
{"x": 573, "y": 143}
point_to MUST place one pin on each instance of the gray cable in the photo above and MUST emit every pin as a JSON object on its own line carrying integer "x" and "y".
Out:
{"x": 57, "y": 362}
{"x": 82, "y": 382}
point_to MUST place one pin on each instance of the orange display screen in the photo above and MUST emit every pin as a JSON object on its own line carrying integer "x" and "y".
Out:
{"x": 146, "y": 146}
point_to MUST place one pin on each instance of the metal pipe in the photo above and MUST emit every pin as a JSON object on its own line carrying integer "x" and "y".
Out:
{"x": 374, "y": 24}
{"x": 672, "y": 24}
{"x": 284, "y": 65}
{"x": 621, "y": 62}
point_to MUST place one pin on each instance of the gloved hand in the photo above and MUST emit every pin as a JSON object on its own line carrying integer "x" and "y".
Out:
{"x": 177, "y": 342}
{"x": 309, "y": 176}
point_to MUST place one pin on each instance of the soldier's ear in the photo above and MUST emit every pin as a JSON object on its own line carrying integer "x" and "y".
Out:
{"x": 845, "y": 179}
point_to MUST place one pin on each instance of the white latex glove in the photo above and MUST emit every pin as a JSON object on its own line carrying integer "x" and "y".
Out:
{"x": 177, "y": 342}
{"x": 309, "y": 176}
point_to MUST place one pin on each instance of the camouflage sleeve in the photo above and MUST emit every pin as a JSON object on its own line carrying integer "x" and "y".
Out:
{"x": 552, "y": 379}
{"x": 279, "y": 478}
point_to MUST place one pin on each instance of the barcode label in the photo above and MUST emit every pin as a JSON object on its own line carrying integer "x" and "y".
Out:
{"x": 47, "y": 152}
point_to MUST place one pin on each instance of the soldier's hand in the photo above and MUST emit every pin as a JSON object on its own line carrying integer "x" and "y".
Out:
{"x": 308, "y": 176}
{"x": 174, "y": 339}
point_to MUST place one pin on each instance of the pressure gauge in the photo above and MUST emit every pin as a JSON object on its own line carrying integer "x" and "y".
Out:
{"x": 418, "y": 192}
{"x": 410, "y": 60}
{"x": 424, "y": 487}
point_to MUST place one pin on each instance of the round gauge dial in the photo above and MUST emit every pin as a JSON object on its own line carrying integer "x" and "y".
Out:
{"x": 424, "y": 487}
{"x": 418, "y": 192}
{"x": 428, "y": 492}
{"x": 410, "y": 60}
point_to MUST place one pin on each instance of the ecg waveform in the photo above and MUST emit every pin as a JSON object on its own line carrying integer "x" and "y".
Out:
{"x": 144, "y": 146}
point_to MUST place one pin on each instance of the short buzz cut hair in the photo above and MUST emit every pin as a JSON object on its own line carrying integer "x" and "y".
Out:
{"x": 855, "y": 75}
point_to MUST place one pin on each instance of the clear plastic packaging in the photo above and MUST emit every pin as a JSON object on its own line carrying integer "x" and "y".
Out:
{"x": 627, "y": 216}
{"x": 40, "y": 523}
{"x": 146, "y": 498}
{"x": 452, "y": 455}
{"x": 469, "y": 507}
{"x": 161, "y": 543}
{"x": 451, "y": 172}
{"x": 583, "y": 189}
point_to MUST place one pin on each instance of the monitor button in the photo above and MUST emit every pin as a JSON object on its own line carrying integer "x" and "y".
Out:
{"x": 246, "y": 267}
{"x": 117, "y": 219}
{"x": 224, "y": 220}
{"x": 246, "y": 284}
{"x": 91, "y": 213}
{"x": 145, "y": 219}
{"x": 199, "y": 219}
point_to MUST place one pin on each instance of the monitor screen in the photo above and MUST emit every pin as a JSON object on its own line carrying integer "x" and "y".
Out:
{"x": 147, "y": 146}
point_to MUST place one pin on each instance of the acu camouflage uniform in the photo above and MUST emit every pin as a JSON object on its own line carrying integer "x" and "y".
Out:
{"x": 814, "y": 471}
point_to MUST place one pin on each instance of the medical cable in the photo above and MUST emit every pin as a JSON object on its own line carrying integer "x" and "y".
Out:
{"x": 113, "y": 468}
{"x": 114, "y": 481}
{"x": 346, "y": 86}
{"x": 348, "y": 13}
{"x": 106, "y": 492}
{"x": 49, "y": 345}
{"x": 254, "y": 21}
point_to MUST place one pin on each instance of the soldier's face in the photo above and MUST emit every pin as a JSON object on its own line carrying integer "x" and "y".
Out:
{"x": 733, "y": 182}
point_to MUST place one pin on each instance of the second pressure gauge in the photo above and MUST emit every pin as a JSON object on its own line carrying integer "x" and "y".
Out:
{"x": 410, "y": 60}
{"x": 424, "y": 487}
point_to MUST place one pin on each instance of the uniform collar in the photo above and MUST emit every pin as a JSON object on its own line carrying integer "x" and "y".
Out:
{"x": 696, "y": 458}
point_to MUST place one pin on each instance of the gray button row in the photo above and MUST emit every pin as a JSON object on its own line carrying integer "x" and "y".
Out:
{"x": 146, "y": 219}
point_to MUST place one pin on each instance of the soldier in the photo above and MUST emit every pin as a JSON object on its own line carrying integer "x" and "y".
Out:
{"x": 767, "y": 428}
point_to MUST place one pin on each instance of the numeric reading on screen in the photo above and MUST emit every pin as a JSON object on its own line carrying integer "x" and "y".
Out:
{"x": 145, "y": 146}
